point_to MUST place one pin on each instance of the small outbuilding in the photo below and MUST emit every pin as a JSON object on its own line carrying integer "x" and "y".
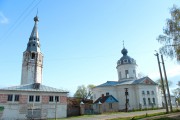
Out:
{"x": 106, "y": 103}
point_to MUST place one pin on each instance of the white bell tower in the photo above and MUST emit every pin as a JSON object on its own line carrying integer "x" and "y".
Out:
{"x": 126, "y": 67}
{"x": 32, "y": 59}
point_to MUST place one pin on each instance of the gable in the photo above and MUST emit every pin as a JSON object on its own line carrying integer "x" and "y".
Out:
{"x": 148, "y": 81}
{"x": 107, "y": 99}
{"x": 111, "y": 99}
{"x": 144, "y": 81}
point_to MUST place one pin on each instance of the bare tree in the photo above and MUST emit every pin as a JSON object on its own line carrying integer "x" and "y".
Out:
{"x": 171, "y": 37}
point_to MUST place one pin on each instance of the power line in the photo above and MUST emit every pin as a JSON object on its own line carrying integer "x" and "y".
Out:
{"x": 19, "y": 20}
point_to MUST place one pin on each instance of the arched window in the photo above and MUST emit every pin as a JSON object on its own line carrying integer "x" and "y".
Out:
{"x": 119, "y": 75}
{"x": 126, "y": 73}
{"x": 149, "y": 101}
{"x": 32, "y": 55}
{"x": 144, "y": 101}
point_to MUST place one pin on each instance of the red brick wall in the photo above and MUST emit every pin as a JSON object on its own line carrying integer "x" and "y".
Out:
{"x": 45, "y": 99}
{"x": 23, "y": 99}
{"x": 63, "y": 99}
{"x": 3, "y": 98}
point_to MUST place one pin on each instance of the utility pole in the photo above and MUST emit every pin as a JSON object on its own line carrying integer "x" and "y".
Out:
{"x": 164, "y": 92}
{"x": 126, "y": 94}
{"x": 167, "y": 86}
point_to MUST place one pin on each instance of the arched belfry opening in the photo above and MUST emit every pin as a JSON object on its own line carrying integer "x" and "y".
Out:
{"x": 32, "y": 55}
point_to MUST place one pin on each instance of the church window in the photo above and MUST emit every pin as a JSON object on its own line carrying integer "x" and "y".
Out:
{"x": 144, "y": 101}
{"x": 110, "y": 105}
{"x": 16, "y": 98}
{"x": 119, "y": 75}
{"x": 143, "y": 92}
{"x": 152, "y": 92}
{"x": 154, "y": 102}
{"x": 127, "y": 73}
{"x": 149, "y": 101}
{"x": 32, "y": 55}
{"x": 51, "y": 98}
{"x": 37, "y": 98}
{"x": 57, "y": 98}
{"x": 31, "y": 98}
{"x": 148, "y": 92}
{"x": 125, "y": 61}
{"x": 134, "y": 71}
{"x": 10, "y": 97}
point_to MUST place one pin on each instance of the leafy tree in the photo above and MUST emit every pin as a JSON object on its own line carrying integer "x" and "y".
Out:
{"x": 171, "y": 37}
{"x": 84, "y": 92}
{"x": 159, "y": 82}
{"x": 176, "y": 93}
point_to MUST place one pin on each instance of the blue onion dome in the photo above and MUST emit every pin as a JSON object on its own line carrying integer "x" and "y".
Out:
{"x": 125, "y": 59}
{"x": 124, "y": 51}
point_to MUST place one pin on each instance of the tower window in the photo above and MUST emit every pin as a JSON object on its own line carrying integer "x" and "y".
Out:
{"x": 134, "y": 71}
{"x": 119, "y": 75}
{"x": 127, "y": 73}
{"x": 32, "y": 55}
{"x": 125, "y": 60}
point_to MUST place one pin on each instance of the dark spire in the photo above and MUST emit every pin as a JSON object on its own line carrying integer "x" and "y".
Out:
{"x": 34, "y": 44}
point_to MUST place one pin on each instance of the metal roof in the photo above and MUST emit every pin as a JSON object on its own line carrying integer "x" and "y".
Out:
{"x": 129, "y": 82}
{"x": 30, "y": 87}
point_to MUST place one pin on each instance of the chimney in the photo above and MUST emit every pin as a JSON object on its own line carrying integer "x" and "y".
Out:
{"x": 107, "y": 94}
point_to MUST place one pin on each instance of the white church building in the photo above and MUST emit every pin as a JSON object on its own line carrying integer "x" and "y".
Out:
{"x": 32, "y": 99}
{"x": 141, "y": 93}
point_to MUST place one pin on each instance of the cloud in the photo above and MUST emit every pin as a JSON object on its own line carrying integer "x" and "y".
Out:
{"x": 3, "y": 19}
{"x": 174, "y": 71}
{"x": 171, "y": 73}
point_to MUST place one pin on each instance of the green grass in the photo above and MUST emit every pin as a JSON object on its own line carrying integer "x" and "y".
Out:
{"x": 1, "y": 108}
{"x": 165, "y": 118}
{"x": 127, "y": 118}
{"x": 140, "y": 117}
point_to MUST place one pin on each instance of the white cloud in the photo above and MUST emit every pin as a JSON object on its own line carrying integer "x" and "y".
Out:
{"x": 174, "y": 71}
{"x": 171, "y": 72}
{"x": 3, "y": 19}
